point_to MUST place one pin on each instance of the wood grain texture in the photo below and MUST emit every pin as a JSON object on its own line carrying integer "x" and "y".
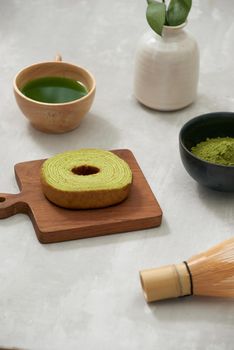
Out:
{"x": 54, "y": 224}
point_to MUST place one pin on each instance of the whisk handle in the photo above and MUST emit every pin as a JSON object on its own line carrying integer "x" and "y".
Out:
{"x": 166, "y": 282}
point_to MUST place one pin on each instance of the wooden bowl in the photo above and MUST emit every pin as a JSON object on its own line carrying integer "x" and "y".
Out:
{"x": 211, "y": 125}
{"x": 54, "y": 117}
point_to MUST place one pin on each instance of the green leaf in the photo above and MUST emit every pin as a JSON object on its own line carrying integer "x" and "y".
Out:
{"x": 178, "y": 11}
{"x": 156, "y": 16}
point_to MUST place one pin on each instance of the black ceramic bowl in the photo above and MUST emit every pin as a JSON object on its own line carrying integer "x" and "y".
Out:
{"x": 220, "y": 124}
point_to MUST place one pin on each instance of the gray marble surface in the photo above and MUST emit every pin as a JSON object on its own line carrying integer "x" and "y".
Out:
{"x": 86, "y": 294}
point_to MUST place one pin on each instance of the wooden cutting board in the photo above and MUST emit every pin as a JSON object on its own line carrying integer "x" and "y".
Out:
{"x": 54, "y": 224}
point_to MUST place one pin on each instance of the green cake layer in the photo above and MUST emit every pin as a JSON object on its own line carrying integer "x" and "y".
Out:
{"x": 60, "y": 171}
{"x": 86, "y": 178}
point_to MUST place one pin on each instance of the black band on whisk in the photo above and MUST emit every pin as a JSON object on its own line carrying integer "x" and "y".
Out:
{"x": 190, "y": 277}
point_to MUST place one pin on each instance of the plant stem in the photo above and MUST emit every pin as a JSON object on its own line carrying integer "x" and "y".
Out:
{"x": 164, "y": 2}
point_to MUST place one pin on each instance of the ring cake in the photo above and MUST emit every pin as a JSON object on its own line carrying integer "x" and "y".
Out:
{"x": 85, "y": 179}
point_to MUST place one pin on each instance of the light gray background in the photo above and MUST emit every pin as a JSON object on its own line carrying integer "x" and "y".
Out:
{"x": 86, "y": 294}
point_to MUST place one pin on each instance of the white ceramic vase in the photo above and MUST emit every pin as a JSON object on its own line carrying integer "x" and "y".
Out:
{"x": 167, "y": 69}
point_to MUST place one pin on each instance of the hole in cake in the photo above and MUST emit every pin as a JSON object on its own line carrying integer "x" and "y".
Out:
{"x": 85, "y": 170}
{"x": 2, "y": 199}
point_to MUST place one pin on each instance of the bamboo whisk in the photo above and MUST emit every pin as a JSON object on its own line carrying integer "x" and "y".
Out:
{"x": 210, "y": 274}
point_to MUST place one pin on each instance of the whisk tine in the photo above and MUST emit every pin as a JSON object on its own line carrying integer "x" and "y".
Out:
{"x": 210, "y": 273}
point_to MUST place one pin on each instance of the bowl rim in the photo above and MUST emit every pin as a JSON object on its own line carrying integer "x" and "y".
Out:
{"x": 90, "y": 92}
{"x": 197, "y": 118}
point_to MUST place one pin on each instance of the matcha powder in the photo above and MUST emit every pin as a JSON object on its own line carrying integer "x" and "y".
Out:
{"x": 219, "y": 150}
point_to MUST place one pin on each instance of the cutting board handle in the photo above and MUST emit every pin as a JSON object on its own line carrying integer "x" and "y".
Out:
{"x": 11, "y": 204}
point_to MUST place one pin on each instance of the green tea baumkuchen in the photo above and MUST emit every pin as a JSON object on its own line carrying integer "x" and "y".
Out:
{"x": 87, "y": 178}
